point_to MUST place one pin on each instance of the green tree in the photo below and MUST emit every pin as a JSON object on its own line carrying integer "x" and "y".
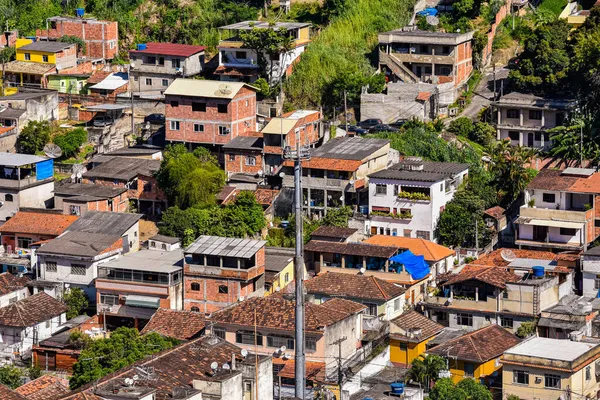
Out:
{"x": 464, "y": 7}
{"x": 334, "y": 8}
{"x": 268, "y": 42}
{"x": 34, "y": 372}
{"x": 124, "y": 347}
{"x": 461, "y": 126}
{"x": 190, "y": 179}
{"x": 483, "y": 133}
{"x": 543, "y": 65}
{"x": 426, "y": 369}
{"x": 33, "y": 137}
{"x": 11, "y": 376}
{"x": 76, "y": 301}
{"x": 474, "y": 389}
{"x": 509, "y": 165}
{"x": 526, "y": 329}
{"x": 70, "y": 141}
{"x": 337, "y": 217}
{"x": 81, "y": 45}
{"x": 445, "y": 389}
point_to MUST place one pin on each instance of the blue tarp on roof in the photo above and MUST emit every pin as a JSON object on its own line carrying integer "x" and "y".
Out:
{"x": 415, "y": 265}
{"x": 428, "y": 11}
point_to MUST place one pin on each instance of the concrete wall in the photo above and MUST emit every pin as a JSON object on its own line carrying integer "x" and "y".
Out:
{"x": 25, "y": 337}
{"x": 345, "y": 328}
{"x": 13, "y": 296}
{"x": 35, "y": 197}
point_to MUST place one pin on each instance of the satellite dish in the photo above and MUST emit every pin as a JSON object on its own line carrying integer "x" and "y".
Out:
{"x": 79, "y": 175}
{"x": 283, "y": 349}
{"x": 363, "y": 270}
{"x": 241, "y": 298}
{"x": 128, "y": 381}
{"x": 79, "y": 168}
{"x": 224, "y": 90}
{"x": 508, "y": 255}
{"x": 73, "y": 176}
{"x": 281, "y": 174}
{"x": 214, "y": 365}
{"x": 226, "y": 367}
{"x": 287, "y": 356}
{"x": 244, "y": 353}
{"x": 132, "y": 64}
{"x": 432, "y": 20}
{"x": 52, "y": 150}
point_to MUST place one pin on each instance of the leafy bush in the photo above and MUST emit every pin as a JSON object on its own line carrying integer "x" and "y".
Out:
{"x": 413, "y": 196}
{"x": 11, "y": 376}
{"x": 76, "y": 302}
{"x": 462, "y": 126}
{"x": 33, "y": 137}
{"x": 70, "y": 141}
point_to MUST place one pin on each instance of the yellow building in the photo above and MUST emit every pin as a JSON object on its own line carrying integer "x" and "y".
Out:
{"x": 409, "y": 334}
{"x": 62, "y": 55}
{"x": 543, "y": 368}
{"x": 279, "y": 268}
{"x": 476, "y": 354}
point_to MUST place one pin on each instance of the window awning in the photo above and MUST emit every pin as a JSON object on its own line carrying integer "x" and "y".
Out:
{"x": 550, "y": 223}
{"x": 142, "y": 301}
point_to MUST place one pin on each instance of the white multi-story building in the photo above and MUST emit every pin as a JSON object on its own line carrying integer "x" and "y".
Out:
{"x": 407, "y": 198}
{"x": 560, "y": 210}
{"x": 590, "y": 268}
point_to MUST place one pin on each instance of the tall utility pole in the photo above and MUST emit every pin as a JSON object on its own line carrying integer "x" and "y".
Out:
{"x": 345, "y": 112}
{"x": 340, "y": 375}
{"x": 298, "y": 155}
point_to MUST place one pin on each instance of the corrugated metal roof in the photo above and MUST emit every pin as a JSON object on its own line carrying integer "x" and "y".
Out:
{"x": 170, "y": 49}
{"x": 112, "y": 82}
{"x": 248, "y": 25}
{"x": 225, "y": 247}
{"x": 47, "y": 47}
{"x": 108, "y": 223}
{"x": 17, "y": 159}
{"x": 205, "y": 88}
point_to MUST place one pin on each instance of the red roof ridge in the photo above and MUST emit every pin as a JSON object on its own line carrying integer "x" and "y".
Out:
{"x": 385, "y": 296}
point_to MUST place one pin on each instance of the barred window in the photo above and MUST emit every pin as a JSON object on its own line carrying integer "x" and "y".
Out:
{"x": 78, "y": 269}
{"x": 310, "y": 344}
{"x": 278, "y": 341}
{"x": 51, "y": 266}
{"x": 219, "y": 332}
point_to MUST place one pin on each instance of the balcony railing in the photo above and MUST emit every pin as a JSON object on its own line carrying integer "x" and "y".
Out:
{"x": 553, "y": 214}
{"x": 320, "y": 183}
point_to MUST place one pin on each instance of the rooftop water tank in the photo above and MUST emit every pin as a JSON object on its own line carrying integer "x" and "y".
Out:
{"x": 397, "y": 388}
{"x": 141, "y": 46}
{"x": 538, "y": 272}
{"x": 79, "y": 12}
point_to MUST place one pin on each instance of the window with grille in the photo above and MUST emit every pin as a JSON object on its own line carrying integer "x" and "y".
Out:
{"x": 51, "y": 267}
{"x": 223, "y": 130}
{"x": 380, "y": 189}
{"x": 251, "y": 160}
{"x": 198, "y": 128}
{"x": 27, "y": 57}
{"x": 372, "y": 309}
{"x": 278, "y": 341}
{"x": 521, "y": 377}
{"x": 109, "y": 299}
{"x": 8, "y": 197}
{"x": 219, "y": 332}
{"x": 512, "y": 113}
{"x": 149, "y": 81}
{"x": 23, "y": 243}
{"x": 45, "y": 59}
{"x": 195, "y": 286}
{"x": 310, "y": 344}
{"x": 548, "y": 197}
{"x": 174, "y": 125}
{"x": 423, "y": 235}
{"x": 223, "y": 289}
{"x": 78, "y": 269}
{"x": 244, "y": 337}
{"x": 597, "y": 283}
{"x": 165, "y": 82}
{"x": 506, "y": 322}
{"x": 464, "y": 319}
{"x": 75, "y": 210}
{"x": 552, "y": 381}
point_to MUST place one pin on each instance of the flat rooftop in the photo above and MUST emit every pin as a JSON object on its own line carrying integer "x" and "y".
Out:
{"x": 349, "y": 148}
{"x": 547, "y": 348}
{"x": 225, "y": 247}
{"x": 248, "y": 25}
{"x": 149, "y": 260}
{"x": 17, "y": 159}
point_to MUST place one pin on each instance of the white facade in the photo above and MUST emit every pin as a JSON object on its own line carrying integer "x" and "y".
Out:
{"x": 590, "y": 266}
{"x": 13, "y": 198}
{"x": 17, "y": 339}
{"x": 422, "y": 215}
{"x": 13, "y": 297}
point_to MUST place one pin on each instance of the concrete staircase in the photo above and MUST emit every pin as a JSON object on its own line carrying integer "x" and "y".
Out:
{"x": 398, "y": 68}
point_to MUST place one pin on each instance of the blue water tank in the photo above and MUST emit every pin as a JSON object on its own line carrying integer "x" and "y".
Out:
{"x": 397, "y": 388}
{"x": 140, "y": 46}
{"x": 285, "y": 224}
{"x": 79, "y": 12}
{"x": 538, "y": 272}
{"x": 363, "y": 209}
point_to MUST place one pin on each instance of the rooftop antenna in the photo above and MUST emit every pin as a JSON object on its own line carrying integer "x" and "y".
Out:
{"x": 52, "y": 150}
{"x": 508, "y": 255}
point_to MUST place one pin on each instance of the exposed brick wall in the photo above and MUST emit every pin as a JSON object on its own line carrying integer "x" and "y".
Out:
{"x": 464, "y": 63}
{"x": 239, "y": 119}
{"x": 238, "y": 163}
{"x": 136, "y": 194}
{"x": 12, "y": 38}
{"x": 99, "y": 36}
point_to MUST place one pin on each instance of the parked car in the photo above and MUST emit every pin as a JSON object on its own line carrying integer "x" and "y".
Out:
{"x": 398, "y": 123}
{"x": 102, "y": 120}
{"x": 383, "y": 128}
{"x": 356, "y": 130}
{"x": 155, "y": 118}
{"x": 369, "y": 123}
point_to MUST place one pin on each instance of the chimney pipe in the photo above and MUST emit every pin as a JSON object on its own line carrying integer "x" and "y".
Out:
{"x": 233, "y": 362}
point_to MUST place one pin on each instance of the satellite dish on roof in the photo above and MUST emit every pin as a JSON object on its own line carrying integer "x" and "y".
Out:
{"x": 136, "y": 377}
{"x": 508, "y": 255}
{"x": 79, "y": 169}
{"x": 214, "y": 365}
{"x": 363, "y": 270}
{"x": 226, "y": 366}
{"x": 244, "y": 353}
{"x": 52, "y": 150}
{"x": 432, "y": 20}
{"x": 129, "y": 381}
{"x": 224, "y": 90}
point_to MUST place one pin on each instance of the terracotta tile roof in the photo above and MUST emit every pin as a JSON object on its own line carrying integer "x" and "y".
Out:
{"x": 551, "y": 179}
{"x": 355, "y": 249}
{"x": 330, "y": 164}
{"x": 38, "y": 223}
{"x": 479, "y": 346}
{"x": 265, "y": 196}
{"x": 10, "y": 283}
{"x": 495, "y": 276}
{"x": 182, "y": 325}
{"x": 343, "y": 306}
{"x": 496, "y": 212}
{"x": 31, "y": 310}
{"x": 8, "y": 394}
{"x": 334, "y": 232}
{"x": 590, "y": 184}
{"x": 413, "y": 319}
{"x": 353, "y": 286}
{"x": 314, "y": 371}
{"x": 170, "y": 49}
{"x": 98, "y": 77}
{"x": 46, "y": 387}
{"x": 495, "y": 257}
{"x": 431, "y": 251}
{"x": 277, "y": 313}
{"x": 173, "y": 368}
{"x": 423, "y": 96}
{"x": 235, "y": 71}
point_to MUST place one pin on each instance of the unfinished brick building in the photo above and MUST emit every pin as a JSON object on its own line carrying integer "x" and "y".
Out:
{"x": 220, "y": 271}
{"x": 101, "y": 37}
